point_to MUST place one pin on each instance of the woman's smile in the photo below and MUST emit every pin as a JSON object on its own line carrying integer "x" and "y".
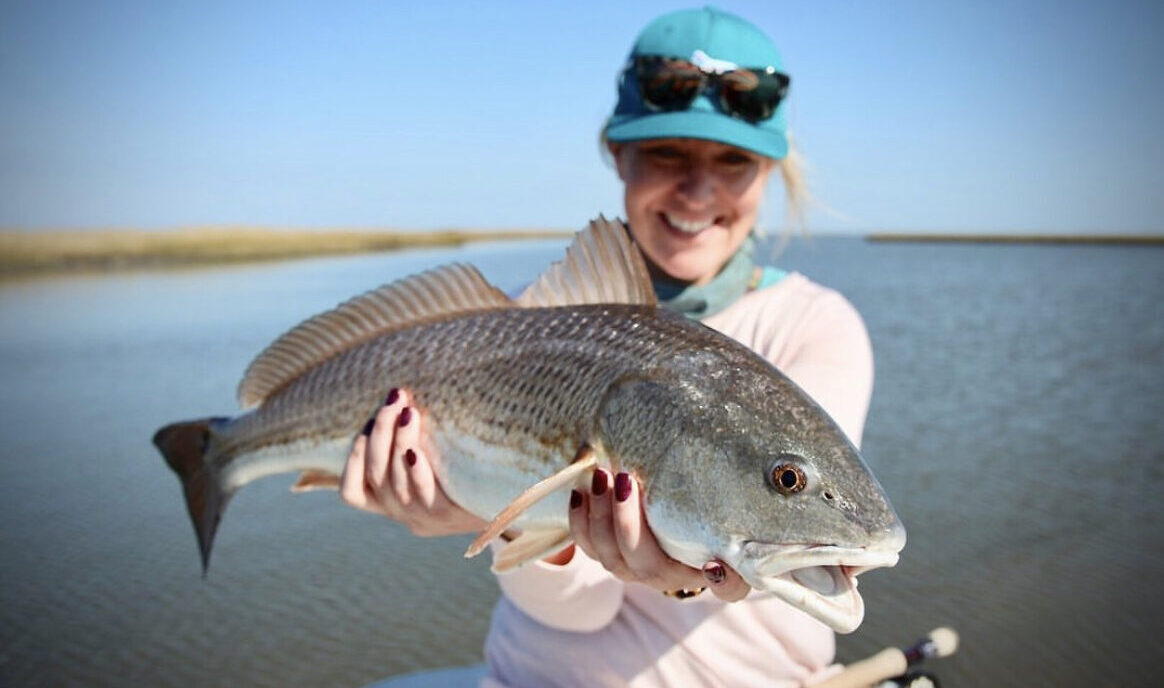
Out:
{"x": 688, "y": 226}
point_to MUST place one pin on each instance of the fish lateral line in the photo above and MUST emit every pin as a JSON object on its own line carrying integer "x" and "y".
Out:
{"x": 585, "y": 460}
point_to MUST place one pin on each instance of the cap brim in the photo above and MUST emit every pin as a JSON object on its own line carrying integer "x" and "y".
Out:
{"x": 696, "y": 124}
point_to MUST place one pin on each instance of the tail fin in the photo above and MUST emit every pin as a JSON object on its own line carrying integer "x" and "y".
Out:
{"x": 184, "y": 446}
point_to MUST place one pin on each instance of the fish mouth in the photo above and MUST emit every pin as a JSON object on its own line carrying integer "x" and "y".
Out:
{"x": 818, "y": 579}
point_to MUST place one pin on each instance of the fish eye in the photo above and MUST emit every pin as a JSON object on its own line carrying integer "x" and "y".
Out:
{"x": 787, "y": 477}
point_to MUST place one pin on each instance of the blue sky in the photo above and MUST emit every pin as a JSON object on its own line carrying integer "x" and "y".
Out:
{"x": 915, "y": 116}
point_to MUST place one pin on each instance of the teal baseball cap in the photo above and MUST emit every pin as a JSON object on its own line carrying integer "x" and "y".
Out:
{"x": 715, "y": 41}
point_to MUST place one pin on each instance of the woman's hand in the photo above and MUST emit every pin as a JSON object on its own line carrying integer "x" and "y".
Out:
{"x": 610, "y": 527}
{"x": 388, "y": 473}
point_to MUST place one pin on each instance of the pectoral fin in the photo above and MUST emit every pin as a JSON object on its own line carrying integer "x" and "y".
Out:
{"x": 316, "y": 480}
{"x": 585, "y": 460}
{"x": 530, "y": 545}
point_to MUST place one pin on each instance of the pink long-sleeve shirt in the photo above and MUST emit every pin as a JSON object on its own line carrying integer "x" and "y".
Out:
{"x": 577, "y": 625}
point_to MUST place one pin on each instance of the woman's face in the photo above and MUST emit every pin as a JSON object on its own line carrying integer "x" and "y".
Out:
{"x": 690, "y": 203}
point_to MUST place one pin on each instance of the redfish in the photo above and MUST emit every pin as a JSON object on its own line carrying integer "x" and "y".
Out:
{"x": 523, "y": 398}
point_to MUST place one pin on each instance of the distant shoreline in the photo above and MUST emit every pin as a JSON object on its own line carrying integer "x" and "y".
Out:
{"x": 1108, "y": 239}
{"x": 66, "y": 252}
{"x": 37, "y": 253}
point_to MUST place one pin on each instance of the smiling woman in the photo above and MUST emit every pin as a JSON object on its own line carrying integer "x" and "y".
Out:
{"x": 697, "y": 130}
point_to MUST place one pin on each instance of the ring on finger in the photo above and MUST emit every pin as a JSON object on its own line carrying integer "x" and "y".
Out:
{"x": 684, "y": 593}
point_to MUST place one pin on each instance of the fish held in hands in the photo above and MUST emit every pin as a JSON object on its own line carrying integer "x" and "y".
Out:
{"x": 524, "y": 398}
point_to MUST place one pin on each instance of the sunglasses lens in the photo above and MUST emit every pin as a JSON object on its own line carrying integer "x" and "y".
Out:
{"x": 667, "y": 84}
{"x": 752, "y": 95}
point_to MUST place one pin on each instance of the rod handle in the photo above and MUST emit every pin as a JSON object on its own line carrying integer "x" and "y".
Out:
{"x": 885, "y": 664}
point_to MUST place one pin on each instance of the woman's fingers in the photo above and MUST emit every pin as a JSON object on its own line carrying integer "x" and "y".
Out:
{"x": 600, "y": 528}
{"x": 404, "y": 447}
{"x": 580, "y": 522}
{"x": 420, "y": 476}
{"x": 640, "y": 551}
{"x": 354, "y": 489}
{"x": 609, "y": 525}
{"x": 381, "y": 439}
{"x": 628, "y": 522}
{"x": 388, "y": 472}
{"x": 352, "y": 482}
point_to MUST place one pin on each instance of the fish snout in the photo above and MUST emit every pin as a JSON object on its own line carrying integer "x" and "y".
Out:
{"x": 884, "y": 531}
{"x": 891, "y": 539}
{"x": 868, "y": 520}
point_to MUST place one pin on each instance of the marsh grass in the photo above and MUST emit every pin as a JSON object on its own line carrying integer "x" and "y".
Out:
{"x": 70, "y": 251}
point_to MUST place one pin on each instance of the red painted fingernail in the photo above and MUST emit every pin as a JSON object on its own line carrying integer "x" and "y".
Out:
{"x": 410, "y": 457}
{"x": 405, "y": 417}
{"x": 575, "y": 499}
{"x": 393, "y": 395}
{"x": 714, "y": 572}
{"x": 368, "y": 426}
{"x": 598, "y": 485}
{"x": 622, "y": 486}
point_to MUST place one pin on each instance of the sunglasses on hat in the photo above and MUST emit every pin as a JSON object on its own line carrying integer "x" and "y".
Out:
{"x": 668, "y": 84}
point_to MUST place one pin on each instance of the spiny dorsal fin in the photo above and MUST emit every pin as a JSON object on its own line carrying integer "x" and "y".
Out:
{"x": 601, "y": 266}
{"x": 440, "y": 291}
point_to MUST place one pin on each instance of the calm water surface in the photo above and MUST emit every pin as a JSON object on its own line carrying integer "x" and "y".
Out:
{"x": 1017, "y": 423}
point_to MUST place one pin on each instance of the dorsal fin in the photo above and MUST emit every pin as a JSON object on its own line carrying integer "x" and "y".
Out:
{"x": 601, "y": 266}
{"x": 440, "y": 291}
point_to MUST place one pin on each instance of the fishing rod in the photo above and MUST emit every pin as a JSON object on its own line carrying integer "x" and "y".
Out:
{"x": 892, "y": 661}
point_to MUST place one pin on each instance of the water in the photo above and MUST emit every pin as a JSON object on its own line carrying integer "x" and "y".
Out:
{"x": 1016, "y": 423}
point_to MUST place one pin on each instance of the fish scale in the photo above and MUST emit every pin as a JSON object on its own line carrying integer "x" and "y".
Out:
{"x": 531, "y": 381}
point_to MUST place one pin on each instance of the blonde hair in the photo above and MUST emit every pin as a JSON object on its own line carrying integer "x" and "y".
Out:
{"x": 796, "y": 197}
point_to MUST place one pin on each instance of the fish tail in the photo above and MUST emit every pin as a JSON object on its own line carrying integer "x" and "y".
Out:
{"x": 184, "y": 447}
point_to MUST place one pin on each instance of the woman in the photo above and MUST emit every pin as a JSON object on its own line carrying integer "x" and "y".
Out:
{"x": 697, "y": 132}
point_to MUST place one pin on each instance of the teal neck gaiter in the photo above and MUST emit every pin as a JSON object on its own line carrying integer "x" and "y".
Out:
{"x": 729, "y": 285}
